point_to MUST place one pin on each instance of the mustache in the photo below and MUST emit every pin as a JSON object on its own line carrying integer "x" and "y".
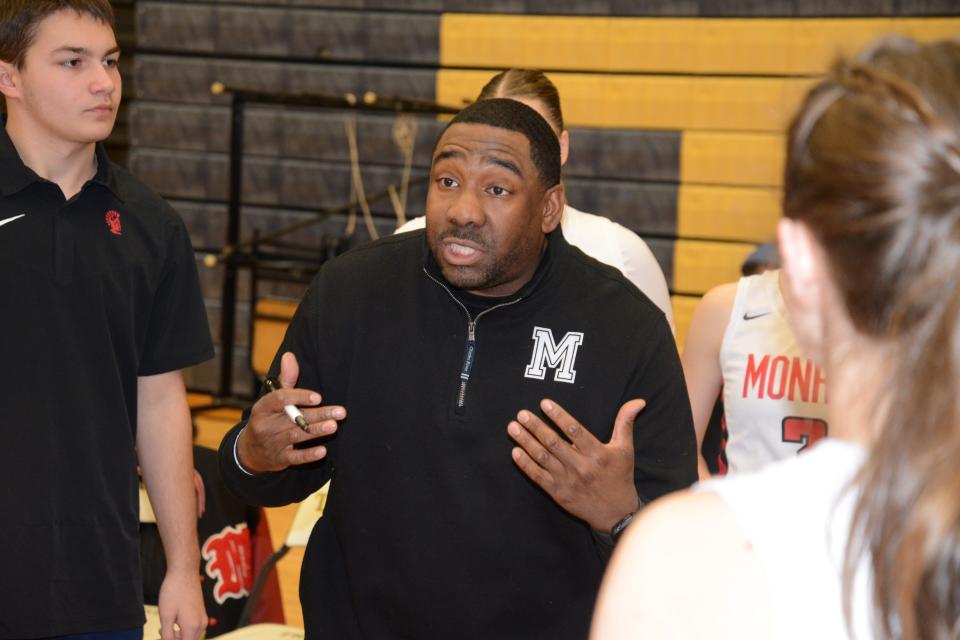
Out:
{"x": 463, "y": 233}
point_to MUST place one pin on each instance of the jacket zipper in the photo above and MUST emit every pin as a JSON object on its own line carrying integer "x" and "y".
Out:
{"x": 470, "y": 349}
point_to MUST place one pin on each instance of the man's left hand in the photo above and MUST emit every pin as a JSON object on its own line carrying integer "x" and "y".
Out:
{"x": 181, "y": 603}
{"x": 591, "y": 480}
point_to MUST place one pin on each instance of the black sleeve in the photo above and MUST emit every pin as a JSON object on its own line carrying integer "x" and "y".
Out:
{"x": 178, "y": 334}
{"x": 295, "y": 483}
{"x": 664, "y": 439}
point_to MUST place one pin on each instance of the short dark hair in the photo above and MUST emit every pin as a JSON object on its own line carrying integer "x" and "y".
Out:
{"x": 19, "y": 20}
{"x": 504, "y": 113}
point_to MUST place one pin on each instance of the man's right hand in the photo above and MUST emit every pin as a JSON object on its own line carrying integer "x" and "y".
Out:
{"x": 267, "y": 442}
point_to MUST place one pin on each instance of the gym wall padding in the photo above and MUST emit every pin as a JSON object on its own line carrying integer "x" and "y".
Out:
{"x": 677, "y": 108}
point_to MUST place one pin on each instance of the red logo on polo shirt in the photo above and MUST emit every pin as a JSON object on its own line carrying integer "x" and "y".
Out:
{"x": 113, "y": 221}
{"x": 228, "y": 555}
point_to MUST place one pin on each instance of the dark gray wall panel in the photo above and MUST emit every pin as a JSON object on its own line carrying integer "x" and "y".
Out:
{"x": 926, "y": 7}
{"x": 568, "y": 7}
{"x": 849, "y": 8}
{"x": 267, "y": 181}
{"x": 654, "y": 7}
{"x": 662, "y": 249}
{"x": 622, "y": 153}
{"x": 652, "y": 156}
{"x": 207, "y": 224}
{"x": 747, "y": 7}
{"x": 732, "y": 8}
{"x": 291, "y": 133}
{"x": 410, "y": 38}
{"x": 188, "y": 79}
{"x": 645, "y": 208}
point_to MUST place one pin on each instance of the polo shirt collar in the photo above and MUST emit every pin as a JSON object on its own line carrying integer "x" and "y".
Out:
{"x": 16, "y": 176}
{"x": 105, "y": 175}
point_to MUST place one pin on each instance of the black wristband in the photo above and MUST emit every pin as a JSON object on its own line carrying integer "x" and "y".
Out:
{"x": 616, "y": 530}
{"x": 621, "y": 526}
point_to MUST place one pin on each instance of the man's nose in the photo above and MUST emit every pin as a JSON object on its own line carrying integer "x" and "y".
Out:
{"x": 466, "y": 209}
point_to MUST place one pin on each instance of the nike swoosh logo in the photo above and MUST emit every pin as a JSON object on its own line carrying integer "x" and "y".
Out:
{"x": 6, "y": 220}
{"x": 747, "y": 316}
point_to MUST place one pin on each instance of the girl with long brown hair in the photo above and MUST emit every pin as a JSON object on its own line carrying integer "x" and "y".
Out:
{"x": 860, "y": 537}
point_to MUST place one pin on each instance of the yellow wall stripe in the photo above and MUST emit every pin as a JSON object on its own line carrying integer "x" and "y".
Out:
{"x": 774, "y": 46}
{"x": 742, "y": 159}
{"x": 655, "y": 102}
{"x": 699, "y": 265}
{"x": 683, "y": 307}
{"x": 727, "y": 213}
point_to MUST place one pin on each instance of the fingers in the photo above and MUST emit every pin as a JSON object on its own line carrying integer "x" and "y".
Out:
{"x": 166, "y": 627}
{"x": 533, "y": 470}
{"x": 182, "y": 630}
{"x": 270, "y": 440}
{"x": 293, "y": 457}
{"x": 192, "y": 630}
{"x": 623, "y": 425}
{"x": 324, "y": 414}
{"x": 289, "y": 370}
{"x": 275, "y": 401}
{"x": 540, "y": 442}
{"x": 581, "y": 437}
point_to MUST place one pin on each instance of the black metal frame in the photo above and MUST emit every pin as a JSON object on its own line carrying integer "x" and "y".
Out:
{"x": 235, "y": 254}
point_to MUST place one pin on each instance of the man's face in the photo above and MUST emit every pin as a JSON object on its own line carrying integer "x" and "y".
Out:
{"x": 68, "y": 90}
{"x": 487, "y": 211}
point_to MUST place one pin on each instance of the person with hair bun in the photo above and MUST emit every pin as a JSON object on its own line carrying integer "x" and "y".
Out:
{"x": 597, "y": 236}
{"x": 860, "y": 537}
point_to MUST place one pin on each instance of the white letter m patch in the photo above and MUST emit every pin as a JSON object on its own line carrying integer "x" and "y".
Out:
{"x": 549, "y": 354}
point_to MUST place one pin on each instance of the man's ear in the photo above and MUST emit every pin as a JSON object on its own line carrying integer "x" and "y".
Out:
{"x": 9, "y": 80}
{"x": 552, "y": 208}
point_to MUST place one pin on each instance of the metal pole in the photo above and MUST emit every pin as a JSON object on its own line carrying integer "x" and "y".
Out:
{"x": 228, "y": 300}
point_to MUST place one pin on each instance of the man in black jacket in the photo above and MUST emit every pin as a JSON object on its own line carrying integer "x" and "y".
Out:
{"x": 457, "y": 510}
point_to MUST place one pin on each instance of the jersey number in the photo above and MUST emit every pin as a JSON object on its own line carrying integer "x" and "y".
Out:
{"x": 804, "y": 431}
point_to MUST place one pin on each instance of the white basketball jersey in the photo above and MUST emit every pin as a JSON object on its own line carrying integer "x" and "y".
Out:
{"x": 774, "y": 397}
{"x": 796, "y": 515}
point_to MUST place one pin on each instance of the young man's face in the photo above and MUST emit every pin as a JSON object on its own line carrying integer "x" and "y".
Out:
{"x": 487, "y": 211}
{"x": 69, "y": 87}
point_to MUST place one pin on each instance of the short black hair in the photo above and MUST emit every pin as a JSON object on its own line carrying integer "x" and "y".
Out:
{"x": 504, "y": 113}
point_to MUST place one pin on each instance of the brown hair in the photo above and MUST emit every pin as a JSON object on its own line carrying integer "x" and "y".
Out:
{"x": 19, "y": 20}
{"x": 526, "y": 83}
{"x": 873, "y": 169}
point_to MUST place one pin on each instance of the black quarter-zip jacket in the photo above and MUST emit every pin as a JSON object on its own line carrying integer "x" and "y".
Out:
{"x": 430, "y": 530}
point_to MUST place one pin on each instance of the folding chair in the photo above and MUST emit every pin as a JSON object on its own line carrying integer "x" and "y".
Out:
{"x": 309, "y": 511}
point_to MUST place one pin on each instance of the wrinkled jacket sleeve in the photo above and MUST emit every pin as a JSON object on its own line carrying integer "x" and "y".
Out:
{"x": 295, "y": 483}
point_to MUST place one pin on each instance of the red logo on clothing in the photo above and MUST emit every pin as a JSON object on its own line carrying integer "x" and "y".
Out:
{"x": 228, "y": 556}
{"x": 113, "y": 221}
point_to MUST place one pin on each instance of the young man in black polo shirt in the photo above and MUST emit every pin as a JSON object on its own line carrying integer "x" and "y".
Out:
{"x": 102, "y": 308}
